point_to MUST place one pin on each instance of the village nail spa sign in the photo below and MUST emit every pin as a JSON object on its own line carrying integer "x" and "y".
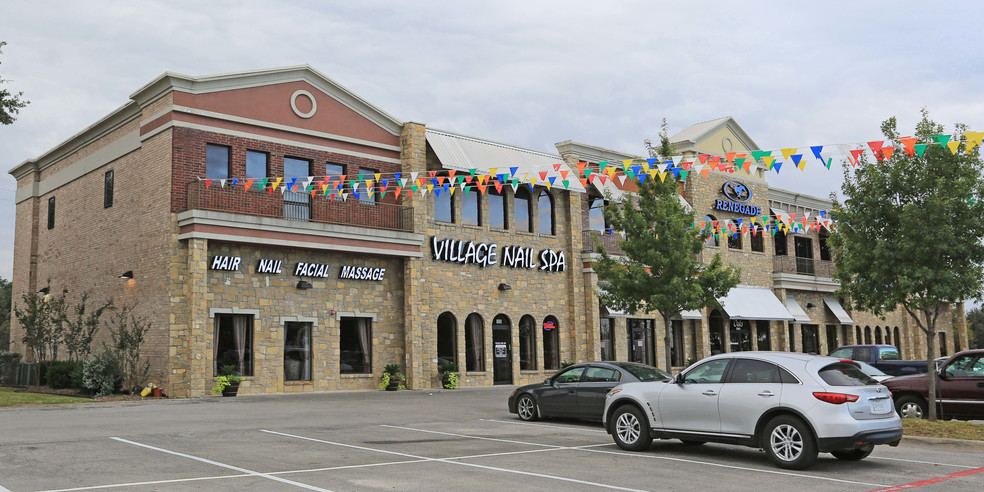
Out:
{"x": 487, "y": 254}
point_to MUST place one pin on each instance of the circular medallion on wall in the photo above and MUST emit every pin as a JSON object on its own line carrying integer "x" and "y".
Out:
{"x": 293, "y": 103}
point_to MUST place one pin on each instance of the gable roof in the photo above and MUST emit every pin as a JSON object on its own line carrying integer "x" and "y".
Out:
{"x": 693, "y": 134}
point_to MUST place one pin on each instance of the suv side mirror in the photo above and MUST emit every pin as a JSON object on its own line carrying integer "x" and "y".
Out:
{"x": 678, "y": 379}
{"x": 941, "y": 374}
{"x": 547, "y": 382}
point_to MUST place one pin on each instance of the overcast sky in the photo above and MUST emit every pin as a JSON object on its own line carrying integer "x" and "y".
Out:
{"x": 529, "y": 73}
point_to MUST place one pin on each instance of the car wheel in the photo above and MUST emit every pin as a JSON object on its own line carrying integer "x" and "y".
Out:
{"x": 911, "y": 407}
{"x": 789, "y": 443}
{"x": 631, "y": 429}
{"x": 526, "y": 408}
{"x": 853, "y": 454}
{"x": 688, "y": 442}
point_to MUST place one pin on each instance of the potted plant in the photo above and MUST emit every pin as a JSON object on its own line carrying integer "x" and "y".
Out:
{"x": 391, "y": 378}
{"x": 228, "y": 381}
{"x": 449, "y": 374}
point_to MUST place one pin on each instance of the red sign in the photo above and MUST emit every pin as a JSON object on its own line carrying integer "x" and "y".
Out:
{"x": 548, "y": 325}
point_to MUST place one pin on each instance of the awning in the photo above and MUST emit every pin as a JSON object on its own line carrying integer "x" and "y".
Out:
{"x": 749, "y": 302}
{"x": 835, "y": 307}
{"x": 797, "y": 311}
{"x": 691, "y": 314}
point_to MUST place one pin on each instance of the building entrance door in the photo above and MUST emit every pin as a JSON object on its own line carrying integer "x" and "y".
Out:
{"x": 501, "y": 351}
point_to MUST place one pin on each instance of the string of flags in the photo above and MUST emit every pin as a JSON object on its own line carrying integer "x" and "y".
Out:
{"x": 561, "y": 175}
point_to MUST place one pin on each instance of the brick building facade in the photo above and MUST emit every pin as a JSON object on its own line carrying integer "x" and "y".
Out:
{"x": 304, "y": 291}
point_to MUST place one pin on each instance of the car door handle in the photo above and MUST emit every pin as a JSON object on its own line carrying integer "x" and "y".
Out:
{"x": 710, "y": 393}
{"x": 766, "y": 393}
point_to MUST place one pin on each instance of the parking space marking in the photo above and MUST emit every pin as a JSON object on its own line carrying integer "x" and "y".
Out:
{"x": 917, "y": 461}
{"x": 2, "y": 489}
{"x": 931, "y": 480}
{"x": 223, "y": 465}
{"x": 460, "y": 463}
{"x": 473, "y": 437}
{"x": 154, "y": 482}
{"x": 568, "y": 427}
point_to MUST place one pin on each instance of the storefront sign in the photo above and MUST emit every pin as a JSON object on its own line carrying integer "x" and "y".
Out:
{"x": 737, "y": 193}
{"x": 549, "y": 325}
{"x": 485, "y": 254}
{"x": 311, "y": 270}
{"x": 361, "y": 273}
{"x": 269, "y": 266}
{"x": 229, "y": 263}
{"x": 501, "y": 350}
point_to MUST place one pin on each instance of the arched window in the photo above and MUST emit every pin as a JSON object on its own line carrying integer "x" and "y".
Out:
{"x": 497, "y": 209}
{"x": 888, "y": 335}
{"x": 596, "y": 214}
{"x": 758, "y": 238}
{"x": 716, "y": 329}
{"x": 898, "y": 341}
{"x": 474, "y": 343}
{"x": 523, "y": 219}
{"x": 779, "y": 241}
{"x": 527, "y": 343}
{"x": 471, "y": 212}
{"x": 857, "y": 336}
{"x": 734, "y": 236}
{"x": 824, "y": 245}
{"x": 878, "y": 335}
{"x": 447, "y": 339}
{"x": 545, "y": 211}
{"x": 710, "y": 229}
{"x": 867, "y": 335}
{"x": 551, "y": 343}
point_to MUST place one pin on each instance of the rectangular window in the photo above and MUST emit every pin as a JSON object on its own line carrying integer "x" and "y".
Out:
{"x": 596, "y": 214}
{"x": 831, "y": 337}
{"x": 804, "y": 255}
{"x": 216, "y": 161}
{"x": 233, "y": 342}
{"x": 792, "y": 338}
{"x": 355, "y": 346}
{"x": 607, "y": 339}
{"x": 51, "y": 213}
{"x": 108, "y": 189}
{"x": 365, "y": 174}
{"x": 334, "y": 170}
{"x": 297, "y": 204}
{"x": 497, "y": 210}
{"x": 443, "y": 207}
{"x": 297, "y": 351}
{"x": 257, "y": 164}
{"x": 551, "y": 348}
{"x": 762, "y": 333}
{"x": 641, "y": 348}
{"x": 676, "y": 351}
{"x": 824, "y": 248}
{"x": 811, "y": 339}
{"x": 470, "y": 211}
{"x": 734, "y": 240}
{"x": 758, "y": 239}
{"x": 523, "y": 220}
{"x": 779, "y": 241}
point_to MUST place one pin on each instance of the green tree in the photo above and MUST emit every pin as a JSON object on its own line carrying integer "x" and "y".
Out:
{"x": 910, "y": 231}
{"x": 41, "y": 315}
{"x": 659, "y": 269}
{"x": 10, "y": 103}
{"x": 81, "y": 328}
{"x": 127, "y": 332}
{"x": 975, "y": 327}
{"x": 5, "y": 300}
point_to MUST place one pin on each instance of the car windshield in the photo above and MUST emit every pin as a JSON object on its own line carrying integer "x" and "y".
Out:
{"x": 646, "y": 373}
{"x": 845, "y": 374}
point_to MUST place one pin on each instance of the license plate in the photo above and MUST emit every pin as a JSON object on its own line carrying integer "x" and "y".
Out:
{"x": 882, "y": 405}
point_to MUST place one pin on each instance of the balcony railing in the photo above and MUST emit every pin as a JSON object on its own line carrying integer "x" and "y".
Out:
{"x": 607, "y": 241}
{"x": 803, "y": 266}
{"x": 318, "y": 209}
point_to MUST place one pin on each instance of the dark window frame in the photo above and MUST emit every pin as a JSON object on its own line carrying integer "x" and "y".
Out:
{"x": 757, "y": 241}
{"x": 303, "y": 342}
{"x": 344, "y": 324}
{"x": 735, "y": 240}
{"x": 249, "y": 353}
{"x": 108, "y": 185}
{"x": 364, "y": 198}
{"x": 551, "y": 344}
{"x": 540, "y": 195}
{"x": 444, "y": 198}
{"x": 228, "y": 160}
{"x": 596, "y": 205}
{"x": 528, "y": 197}
{"x": 299, "y": 201}
{"x": 51, "y": 212}
{"x": 712, "y": 239}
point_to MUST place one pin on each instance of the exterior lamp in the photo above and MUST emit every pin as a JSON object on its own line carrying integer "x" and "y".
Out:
{"x": 44, "y": 291}
{"x": 504, "y": 286}
{"x": 127, "y": 275}
{"x": 304, "y": 285}
{"x": 810, "y": 305}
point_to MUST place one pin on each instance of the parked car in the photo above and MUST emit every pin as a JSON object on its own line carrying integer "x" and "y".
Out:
{"x": 792, "y": 405}
{"x": 885, "y": 357}
{"x": 578, "y": 390}
{"x": 872, "y": 371}
{"x": 959, "y": 386}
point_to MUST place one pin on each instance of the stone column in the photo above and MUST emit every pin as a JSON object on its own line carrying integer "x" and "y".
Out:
{"x": 198, "y": 329}
{"x": 417, "y": 368}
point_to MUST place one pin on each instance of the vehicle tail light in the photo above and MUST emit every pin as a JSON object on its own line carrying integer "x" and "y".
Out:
{"x": 835, "y": 398}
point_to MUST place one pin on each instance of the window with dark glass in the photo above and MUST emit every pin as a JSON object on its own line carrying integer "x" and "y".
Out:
{"x": 523, "y": 218}
{"x": 545, "y": 212}
{"x": 607, "y": 339}
{"x": 497, "y": 209}
{"x": 779, "y": 241}
{"x": 366, "y": 174}
{"x": 474, "y": 343}
{"x": 824, "y": 246}
{"x": 471, "y": 213}
{"x": 831, "y": 337}
{"x": 355, "y": 345}
{"x": 551, "y": 343}
{"x": 641, "y": 339}
{"x": 297, "y": 204}
{"x": 741, "y": 337}
{"x": 447, "y": 339}
{"x": 792, "y": 338}
{"x": 754, "y": 371}
{"x": 108, "y": 189}
{"x": 297, "y": 351}
{"x": 811, "y": 339}
{"x": 527, "y": 343}
{"x": 51, "y": 213}
{"x": 257, "y": 164}
{"x": 716, "y": 332}
{"x": 763, "y": 335}
{"x": 709, "y": 228}
{"x": 758, "y": 239}
{"x": 734, "y": 239}
{"x": 443, "y": 206}
{"x": 676, "y": 350}
{"x": 216, "y": 161}
{"x": 233, "y": 342}
{"x": 600, "y": 375}
{"x": 596, "y": 215}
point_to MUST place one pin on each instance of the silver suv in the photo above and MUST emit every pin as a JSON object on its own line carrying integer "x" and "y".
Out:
{"x": 792, "y": 405}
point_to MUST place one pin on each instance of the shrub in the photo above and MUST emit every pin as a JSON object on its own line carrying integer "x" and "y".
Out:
{"x": 101, "y": 374}
{"x": 64, "y": 374}
{"x": 43, "y": 372}
{"x": 8, "y": 366}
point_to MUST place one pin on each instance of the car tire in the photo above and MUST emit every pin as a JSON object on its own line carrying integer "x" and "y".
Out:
{"x": 689, "y": 442}
{"x": 630, "y": 429}
{"x": 911, "y": 407}
{"x": 853, "y": 454}
{"x": 526, "y": 408}
{"x": 789, "y": 443}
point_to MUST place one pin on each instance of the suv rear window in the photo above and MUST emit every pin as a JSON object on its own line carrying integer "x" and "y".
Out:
{"x": 845, "y": 374}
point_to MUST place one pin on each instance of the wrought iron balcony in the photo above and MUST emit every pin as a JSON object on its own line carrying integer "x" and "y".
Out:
{"x": 607, "y": 241}
{"x": 803, "y": 266}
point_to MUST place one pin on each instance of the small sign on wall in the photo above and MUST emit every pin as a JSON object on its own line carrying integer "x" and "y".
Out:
{"x": 501, "y": 350}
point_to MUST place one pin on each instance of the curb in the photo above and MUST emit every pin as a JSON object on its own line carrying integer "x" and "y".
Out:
{"x": 962, "y": 444}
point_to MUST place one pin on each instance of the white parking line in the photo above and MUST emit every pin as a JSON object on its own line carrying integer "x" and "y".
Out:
{"x": 567, "y": 427}
{"x": 155, "y": 482}
{"x": 774, "y": 472}
{"x": 923, "y": 462}
{"x": 460, "y": 463}
{"x": 3, "y": 489}
{"x": 223, "y": 465}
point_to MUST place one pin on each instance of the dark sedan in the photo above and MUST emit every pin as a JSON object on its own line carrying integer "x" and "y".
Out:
{"x": 578, "y": 390}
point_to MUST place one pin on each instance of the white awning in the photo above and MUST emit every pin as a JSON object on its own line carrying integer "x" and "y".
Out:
{"x": 749, "y": 302}
{"x": 835, "y": 307}
{"x": 797, "y": 311}
{"x": 691, "y": 314}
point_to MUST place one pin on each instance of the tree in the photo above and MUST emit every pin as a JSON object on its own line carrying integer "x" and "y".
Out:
{"x": 10, "y": 104}
{"x": 5, "y": 300}
{"x": 659, "y": 269}
{"x": 910, "y": 231}
{"x": 975, "y": 328}
{"x": 41, "y": 316}
{"x": 127, "y": 332}
{"x": 81, "y": 328}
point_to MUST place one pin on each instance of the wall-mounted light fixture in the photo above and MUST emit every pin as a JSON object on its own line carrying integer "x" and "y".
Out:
{"x": 44, "y": 291}
{"x": 504, "y": 286}
{"x": 127, "y": 275}
{"x": 810, "y": 305}
{"x": 304, "y": 285}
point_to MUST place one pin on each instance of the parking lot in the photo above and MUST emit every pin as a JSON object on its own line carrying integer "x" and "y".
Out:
{"x": 408, "y": 440}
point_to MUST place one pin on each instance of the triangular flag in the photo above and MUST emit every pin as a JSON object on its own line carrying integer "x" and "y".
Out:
{"x": 941, "y": 139}
{"x": 816, "y": 151}
{"x": 788, "y": 151}
{"x": 920, "y": 149}
{"x": 876, "y": 146}
{"x": 887, "y": 152}
{"x": 908, "y": 144}
{"x": 953, "y": 146}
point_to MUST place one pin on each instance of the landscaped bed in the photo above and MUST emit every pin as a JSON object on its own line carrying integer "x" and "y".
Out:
{"x": 943, "y": 429}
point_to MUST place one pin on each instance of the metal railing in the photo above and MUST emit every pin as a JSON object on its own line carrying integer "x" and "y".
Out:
{"x": 609, "y": 242}
{"x": 300, "y": 207}
{"x": 803, "y": 266}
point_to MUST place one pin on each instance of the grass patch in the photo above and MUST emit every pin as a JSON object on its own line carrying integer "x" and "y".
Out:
{"x": 11, "y": 397}
{"x": 945, "y": 429}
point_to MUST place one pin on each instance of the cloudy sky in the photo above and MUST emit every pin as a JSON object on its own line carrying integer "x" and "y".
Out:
{"x": 530, "y": 73}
